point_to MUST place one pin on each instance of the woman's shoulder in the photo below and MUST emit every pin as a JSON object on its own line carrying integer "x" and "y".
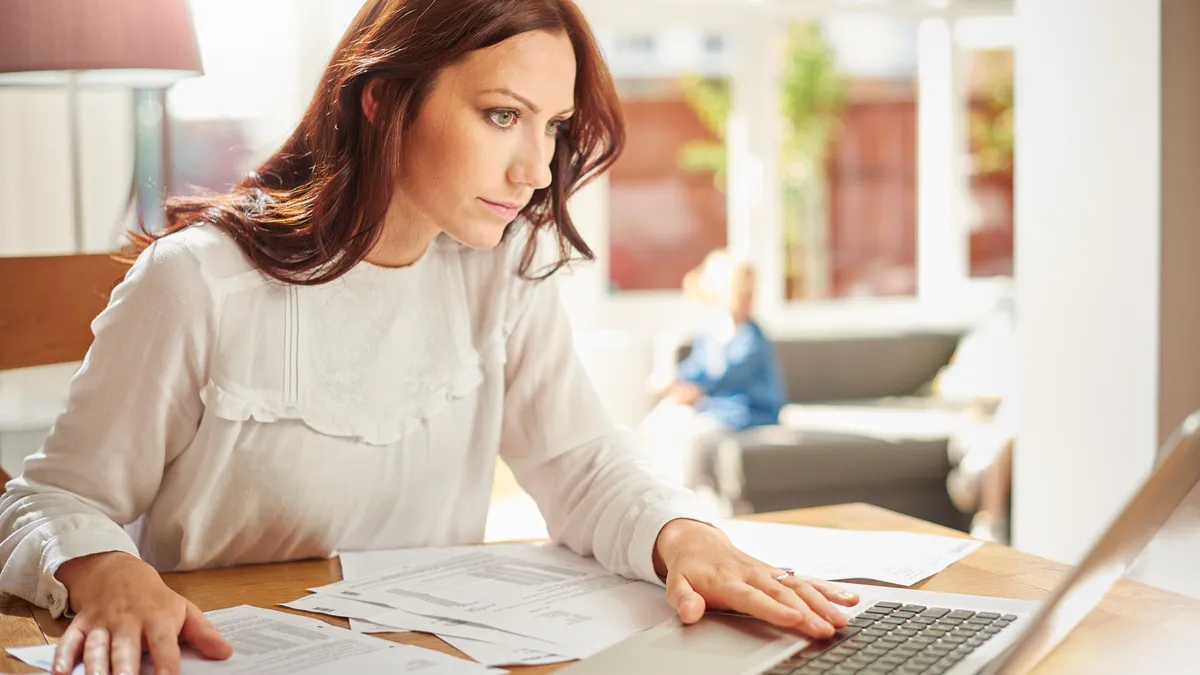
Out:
{"x": 209, "y": 249}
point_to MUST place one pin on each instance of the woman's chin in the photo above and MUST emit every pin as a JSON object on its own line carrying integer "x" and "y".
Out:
{"x": 481, "y": 236}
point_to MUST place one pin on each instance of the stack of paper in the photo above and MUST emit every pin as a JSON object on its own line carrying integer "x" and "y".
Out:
{"x": 267, "y": 642}
{"x": 526, "y": 604}
{"x": 511, "y": 604}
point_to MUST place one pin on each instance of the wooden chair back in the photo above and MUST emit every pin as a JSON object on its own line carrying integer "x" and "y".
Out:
{"x": 47, "y": 304}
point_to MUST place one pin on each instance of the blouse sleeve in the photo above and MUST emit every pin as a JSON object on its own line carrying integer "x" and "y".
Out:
{"x": 132, "y": 406}
{"x": 600, "y": 496}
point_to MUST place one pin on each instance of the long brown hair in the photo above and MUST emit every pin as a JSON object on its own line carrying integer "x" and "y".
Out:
{"x": 315, "y": 208}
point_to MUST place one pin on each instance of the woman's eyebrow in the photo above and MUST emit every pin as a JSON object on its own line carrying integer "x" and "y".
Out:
{"x": 524, "y": 101}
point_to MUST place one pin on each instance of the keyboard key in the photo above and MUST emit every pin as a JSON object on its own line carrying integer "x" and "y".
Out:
{"x": 888, "y": 605}
{"x": 950, "y": 621}
{"x": 901, "y": 614}
{"x": 1009, "y": 617}
{"x": 979, "y": 622}
{"x": 871, "y": 616}
{"x": 935, "y": 612}
{"x": 904, "y": 632}
{"x": 991, "y": 630}
{"x": 913, "y": 608}
{"x": 858, "y": 642}
{"x": 844, "y": 669}
{"x": 961, "y": 614}
{"x": 925, "y": 620}
{"x": 861, "y": 623}
{"x": 988, "y": 615}
{"x": 891, "y": 622}
{"x": 874, "y": 632}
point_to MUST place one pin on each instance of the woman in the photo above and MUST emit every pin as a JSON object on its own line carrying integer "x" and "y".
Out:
{"x": 332, "y": 356}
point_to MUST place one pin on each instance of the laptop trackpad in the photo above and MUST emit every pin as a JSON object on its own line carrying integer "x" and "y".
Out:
{"x": 726, "y": 635}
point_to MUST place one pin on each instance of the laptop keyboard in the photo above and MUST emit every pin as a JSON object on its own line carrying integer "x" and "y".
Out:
{"x": 894, "y": 639}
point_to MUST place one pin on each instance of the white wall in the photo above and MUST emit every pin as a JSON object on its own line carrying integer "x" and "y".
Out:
{"x": 35, "y": 192}
{"x": 1107, "y": 320}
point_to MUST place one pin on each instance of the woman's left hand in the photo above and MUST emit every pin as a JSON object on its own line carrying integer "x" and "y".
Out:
{"x": 704, "y": 570}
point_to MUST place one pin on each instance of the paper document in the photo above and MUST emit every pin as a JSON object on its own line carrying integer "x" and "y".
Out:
{"x": 367, "y": 618}
{"x": 539, "y": 591}
{"x": 370, "y": 618}
{"x": 340, "y": 607}
{"x": 360, "y": 564}
{"x": 267, "y": 642}
{"x": 901, "y": 558}
{"x": 500, "y": 655}
{"x": 365, "y": 626}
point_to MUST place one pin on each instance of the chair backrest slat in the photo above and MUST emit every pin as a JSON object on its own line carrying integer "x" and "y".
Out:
{"x": 47, "y": 304}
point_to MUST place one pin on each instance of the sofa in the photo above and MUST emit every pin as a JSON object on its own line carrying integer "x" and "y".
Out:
{"x": 862, "y": 426}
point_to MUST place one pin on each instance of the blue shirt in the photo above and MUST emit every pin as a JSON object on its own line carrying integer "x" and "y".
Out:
{"x": 746, "y": 389}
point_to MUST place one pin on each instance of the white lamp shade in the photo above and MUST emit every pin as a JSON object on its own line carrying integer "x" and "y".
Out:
{"x": 129, "y": 43}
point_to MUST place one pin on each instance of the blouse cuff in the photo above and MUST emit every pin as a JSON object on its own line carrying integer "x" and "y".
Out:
{"x": 76, "y": 543}
{"x": 651, "y": 522}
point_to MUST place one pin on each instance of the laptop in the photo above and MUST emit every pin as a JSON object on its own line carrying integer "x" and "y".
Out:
{"x": 897, "y": 631}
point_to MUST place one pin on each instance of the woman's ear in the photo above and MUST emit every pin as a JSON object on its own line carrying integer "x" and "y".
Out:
{"x": 370, "y": 100}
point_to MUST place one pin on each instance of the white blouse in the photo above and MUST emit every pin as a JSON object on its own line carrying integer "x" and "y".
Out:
{"x": 224, "y": 418}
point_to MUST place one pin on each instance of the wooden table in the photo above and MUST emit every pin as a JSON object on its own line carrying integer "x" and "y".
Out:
{"x": 1137, "y": 629}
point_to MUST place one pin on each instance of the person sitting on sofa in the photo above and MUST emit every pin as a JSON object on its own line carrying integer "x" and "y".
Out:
{"x": 731, "y": 380}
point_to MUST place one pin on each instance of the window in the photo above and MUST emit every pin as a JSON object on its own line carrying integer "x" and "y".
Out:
{"x": 208, "y": 132}
{"x": 849, "y": 158}
{"x": 987, "y": 46}
{"x": 663, "y": 216}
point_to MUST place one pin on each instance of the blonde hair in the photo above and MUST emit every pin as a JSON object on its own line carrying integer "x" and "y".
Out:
{"x": 719, "y": 278}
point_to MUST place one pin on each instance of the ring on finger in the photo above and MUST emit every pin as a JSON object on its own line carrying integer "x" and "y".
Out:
{"x": 786, "y": 573}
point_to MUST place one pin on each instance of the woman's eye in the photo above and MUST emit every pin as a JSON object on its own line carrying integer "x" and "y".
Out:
{"x": 503, "y": 118}
{"x": 554, "y": 127}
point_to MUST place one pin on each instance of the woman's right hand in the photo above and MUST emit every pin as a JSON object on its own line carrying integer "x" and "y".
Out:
{"x": 122, "y": 606}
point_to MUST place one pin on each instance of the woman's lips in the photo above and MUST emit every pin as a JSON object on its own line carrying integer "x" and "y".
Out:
{"x": 502, "y": 209}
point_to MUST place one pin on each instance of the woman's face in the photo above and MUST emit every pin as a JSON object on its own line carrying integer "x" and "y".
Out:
{"x": 483, "y": 140}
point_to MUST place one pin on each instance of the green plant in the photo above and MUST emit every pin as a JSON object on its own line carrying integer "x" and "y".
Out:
{"x": 812, "y": 98}
{"x": 711, "y": 101}
{"x": 992, "y": 128}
